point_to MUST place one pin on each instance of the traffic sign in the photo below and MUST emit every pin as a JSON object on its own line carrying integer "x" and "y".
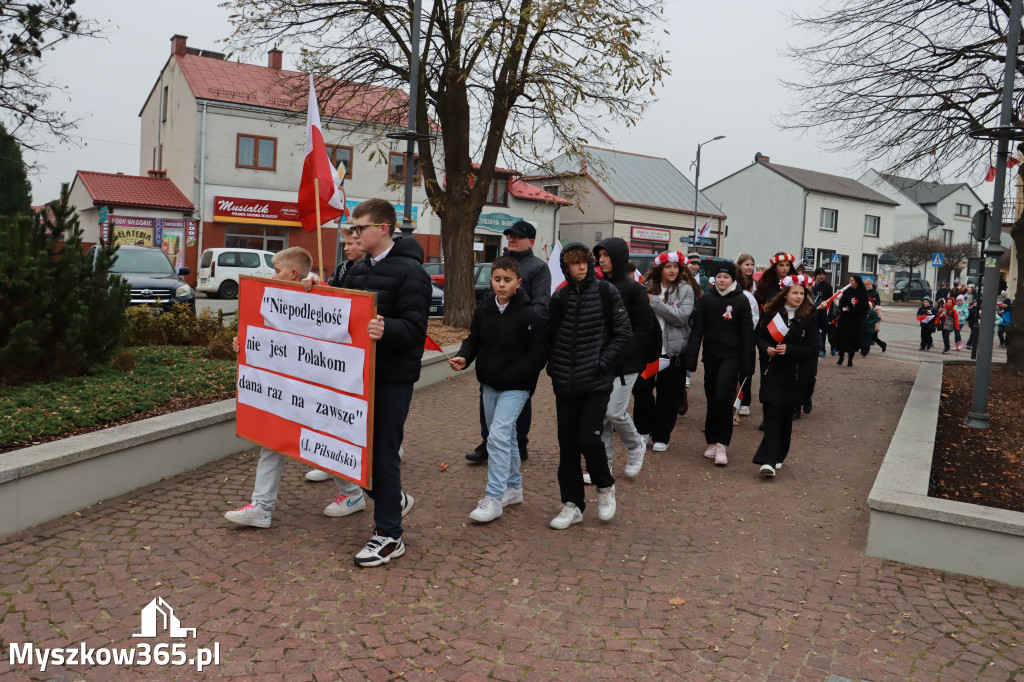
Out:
{"x": 837, "y": 259}
{"x": 980, "y": 224}
{"x": 937, "y": 259}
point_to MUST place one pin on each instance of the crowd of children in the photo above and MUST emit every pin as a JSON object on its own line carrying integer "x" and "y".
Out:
{"x": 603, "y": 338}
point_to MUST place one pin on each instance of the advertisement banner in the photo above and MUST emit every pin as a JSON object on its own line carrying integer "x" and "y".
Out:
{"x": 650, "y": 234}
{"x": 305, "y": 374}
{"x": 173, "y": 243}
{"x": 134, "y": 236}
{"x": 190, "y": 232}
{"x": 259, "y": 211}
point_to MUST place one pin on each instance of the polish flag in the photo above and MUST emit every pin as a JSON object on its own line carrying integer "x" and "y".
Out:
{"x": 778, "y": 328}
{"x": 318, "y": 174}
{"x": 654, "y": 367}
{"x": 705, "y": 229}
{"x": 736, "y": 404}
{"x": 638, "y": 277}
{"x": 430, "y": 344}
{"x": 828, "y": 303}
{"x": 555, "y": 268}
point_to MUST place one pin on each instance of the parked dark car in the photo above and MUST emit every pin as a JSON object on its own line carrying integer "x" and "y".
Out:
{"x": 917, "y": 289}
{"x": 436, "y": 301}
{"x": 436, "y": 272}
{"x": 152, "y": 277}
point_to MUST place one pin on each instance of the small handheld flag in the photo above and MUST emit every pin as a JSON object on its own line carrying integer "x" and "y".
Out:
{"x": 778, "y": 328}
{"x": 654, "y": 367}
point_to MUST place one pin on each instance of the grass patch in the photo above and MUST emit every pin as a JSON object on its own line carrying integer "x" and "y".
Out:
{"x": 160, "y": 374}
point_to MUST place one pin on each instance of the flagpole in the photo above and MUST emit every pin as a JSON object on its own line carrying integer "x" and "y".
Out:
{"x": 319, "y": 240}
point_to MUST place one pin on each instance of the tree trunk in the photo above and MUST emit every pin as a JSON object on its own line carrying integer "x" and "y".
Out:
{"x": 457, "y": 241}
{"x": 1014, "y": 335}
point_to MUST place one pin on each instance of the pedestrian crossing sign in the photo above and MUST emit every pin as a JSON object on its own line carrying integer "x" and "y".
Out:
{"x": 836, "y": 259}
{"x": 936, "y": 259}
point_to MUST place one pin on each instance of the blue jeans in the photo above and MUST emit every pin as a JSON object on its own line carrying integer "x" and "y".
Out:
{"x": 502, "y": 408}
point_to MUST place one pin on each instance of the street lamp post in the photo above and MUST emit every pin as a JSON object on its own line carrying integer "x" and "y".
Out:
{"x": 696, "y": 185}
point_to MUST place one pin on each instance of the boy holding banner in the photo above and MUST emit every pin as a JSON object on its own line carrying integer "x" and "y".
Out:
{"x": 290, "y": 265}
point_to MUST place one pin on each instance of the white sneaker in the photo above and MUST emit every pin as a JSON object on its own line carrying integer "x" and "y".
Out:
{"x": 511, "y": 496}
{"x": 249, "y": 515}
{"x": 687, "y": 382}
{"x": 778, "y": 466}
{"x": 744, "y": 411}
{"x": 720, "y": 458}
{"x": 569, "y": 515}
{"x": 606, "y": 503}
{"x": 344, "y": 505}
{"x": 660, "y": 447}
{"x": 586, "y": 479}
{"x": 407, "y": 502}
{"x": 487, "y": 509}
{"x": 767, "y": 471}
{"x": 712, "y": 451}
{"x": 317, "y": 475}
{"x": 380, "y": 550}
{"x": 634, "y": 461}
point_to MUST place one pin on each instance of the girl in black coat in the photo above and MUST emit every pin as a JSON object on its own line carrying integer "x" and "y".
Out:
{"x": 853, "y": 306}
{"x": 926, "y": 317}
{"x": 722, "y": 323}
{"x": 789, "y": 367}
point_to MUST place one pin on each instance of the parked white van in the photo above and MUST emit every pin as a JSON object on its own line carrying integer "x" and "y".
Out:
{"x": 219, "y": 269}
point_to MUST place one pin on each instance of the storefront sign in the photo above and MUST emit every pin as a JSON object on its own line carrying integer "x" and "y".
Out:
{"x": 499, "y": 222}
{"x": 701, "y": 241}
{"x": 259, "y": 211}
{"x": 134, "y": 236}
{"x": 305, "y": 374}
{"x": 650, "y": 234}
{"x": 350, "y": 204}
{"x": 130, "y": 221}
{"x": 158, "y": 232}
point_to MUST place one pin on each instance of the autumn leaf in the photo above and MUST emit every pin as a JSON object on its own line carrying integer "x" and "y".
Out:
{"x": 676, "y": 601}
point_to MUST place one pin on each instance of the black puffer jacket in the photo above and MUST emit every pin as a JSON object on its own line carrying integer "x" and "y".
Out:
{"x": 636, "y": 300}
{"x": 403, "y": 299}
{"x": 583, "y": 349}
{"x": 725, "y": 327}
{"x": 536, "y": 279}
{"x": 510, "y": 347}
{"x": 786, "y": 379}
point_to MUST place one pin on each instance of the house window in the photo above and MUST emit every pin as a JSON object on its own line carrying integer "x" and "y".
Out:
{"x": 868, "y": 262}
{"x": 256, "y": 152}
{"x": 263, "y": 238}
{"x": 963, "y": 210}
{"x": 551, "y": 189}
{"x": 947, "y": 236}
{"x": 497, "y": 193}
{"x": 829, "y": 219}
{"x": 341, "y": 155}
{"x": 396, "y": 168}
{"x": 163, "y": 105}
{"x": 871, "y": 223}
{"x": 825, "y": 258}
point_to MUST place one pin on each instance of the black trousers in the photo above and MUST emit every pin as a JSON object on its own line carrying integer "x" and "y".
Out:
{"x": 390, "y": 408}
{"x": 945, "y": 338}
{"x": 778, "y": 431}
{"x": 721, "y": 376}
{"x": 926, "y": 337}
{"x": 522, "y": 424}
{"x": 580, "y": 420}
{"x": 656, "y": 415}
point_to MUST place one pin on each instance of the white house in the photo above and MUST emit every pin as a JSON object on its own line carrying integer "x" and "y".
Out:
{"x": 941, "y": 211}
{"x": 774, "y": 208}
{"x": 642, "y": 199}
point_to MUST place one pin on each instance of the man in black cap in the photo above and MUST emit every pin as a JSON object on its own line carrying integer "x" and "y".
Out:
{"x": 537, "y": 283}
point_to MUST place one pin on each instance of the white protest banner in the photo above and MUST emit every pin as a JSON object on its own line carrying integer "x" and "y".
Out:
{"x": 320, "y": 317}
{"x": 329, "y": 364}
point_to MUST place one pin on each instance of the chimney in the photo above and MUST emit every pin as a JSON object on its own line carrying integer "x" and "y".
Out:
{"x": 178, "y": 42}
{"x": 157, "y": 173}
{"x": 764, "y": 159}
{"x": 274, "y": 59}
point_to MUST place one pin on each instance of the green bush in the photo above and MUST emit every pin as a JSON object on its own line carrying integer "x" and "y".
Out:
{"x": 61, "y": 313}
{"x": 178, "y": 326}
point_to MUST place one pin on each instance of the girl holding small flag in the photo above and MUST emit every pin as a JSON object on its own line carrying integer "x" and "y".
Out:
{"x": 853, "y": 306}
{"x": 926, "y": 316}
{"x": 788, "y": 344}
{"x": 672, "y": 300}
{"x": 948, "y": 321}
{"x": 722, "y": 324}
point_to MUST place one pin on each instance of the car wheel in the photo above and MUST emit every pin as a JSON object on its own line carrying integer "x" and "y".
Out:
{"x": 228, "y": 289}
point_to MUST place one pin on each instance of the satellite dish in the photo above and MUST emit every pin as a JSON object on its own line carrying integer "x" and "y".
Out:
{"x": 757, "y": 156}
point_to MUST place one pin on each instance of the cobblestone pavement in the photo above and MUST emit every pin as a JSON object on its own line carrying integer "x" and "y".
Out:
{"x": 704, "y": 573}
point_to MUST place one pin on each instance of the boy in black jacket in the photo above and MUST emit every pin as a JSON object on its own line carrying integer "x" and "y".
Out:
{"x": 507, "y": 340}
{"x": 612, "y": 255}
{"x": 587, "y": 333}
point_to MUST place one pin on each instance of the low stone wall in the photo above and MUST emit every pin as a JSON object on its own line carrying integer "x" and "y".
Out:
{"x": 908, "y": 526}
{"x": 46, "y": 481}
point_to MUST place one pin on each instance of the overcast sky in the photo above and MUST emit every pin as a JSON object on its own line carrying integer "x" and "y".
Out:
{"x": 726, "y": 60}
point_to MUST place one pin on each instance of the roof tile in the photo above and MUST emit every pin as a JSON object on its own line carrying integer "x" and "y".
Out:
{"x": 140, "y": 191}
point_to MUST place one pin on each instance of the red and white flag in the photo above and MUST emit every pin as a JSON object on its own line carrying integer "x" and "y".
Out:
{"x": 778, "y": 328}
{"x": 654, "y": 367}
{"x": 555, "y": 268}
{"x": 318, "y": 174}
{"x": 704, "y": 230}
{"x": 828, "y": 303}
{"x": 736, "y": 404}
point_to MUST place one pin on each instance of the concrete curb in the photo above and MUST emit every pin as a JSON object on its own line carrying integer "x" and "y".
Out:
{"x": 46, "y": 481}
{"x": 908, "y": 526}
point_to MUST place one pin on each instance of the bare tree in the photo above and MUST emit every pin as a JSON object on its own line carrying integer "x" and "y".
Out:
{"x": 904, "y": 82}
{"x": 27, "y": 30}
{"x": 511, "y": 80}
{"x": 912, "y": 252}
{"x": 954, "y": 258}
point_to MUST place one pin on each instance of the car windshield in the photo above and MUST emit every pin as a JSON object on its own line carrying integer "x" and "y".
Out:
{"x": 142, "y": 263}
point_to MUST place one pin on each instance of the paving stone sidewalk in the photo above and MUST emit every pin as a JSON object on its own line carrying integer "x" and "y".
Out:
{"x": 705, "y": 572}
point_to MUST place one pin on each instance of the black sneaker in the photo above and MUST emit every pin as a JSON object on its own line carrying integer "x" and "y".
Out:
{"x": 379, "y": 550}
{"x": 808, "y": 406}
{"x": 479, "y": 455}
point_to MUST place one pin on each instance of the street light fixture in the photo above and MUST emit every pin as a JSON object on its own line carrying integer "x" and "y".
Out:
{"x": 696, "y": 185}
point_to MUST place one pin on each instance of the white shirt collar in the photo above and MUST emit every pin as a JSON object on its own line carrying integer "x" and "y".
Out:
{"x": 501, "y": 308}
{"x": 381, "y": 255}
